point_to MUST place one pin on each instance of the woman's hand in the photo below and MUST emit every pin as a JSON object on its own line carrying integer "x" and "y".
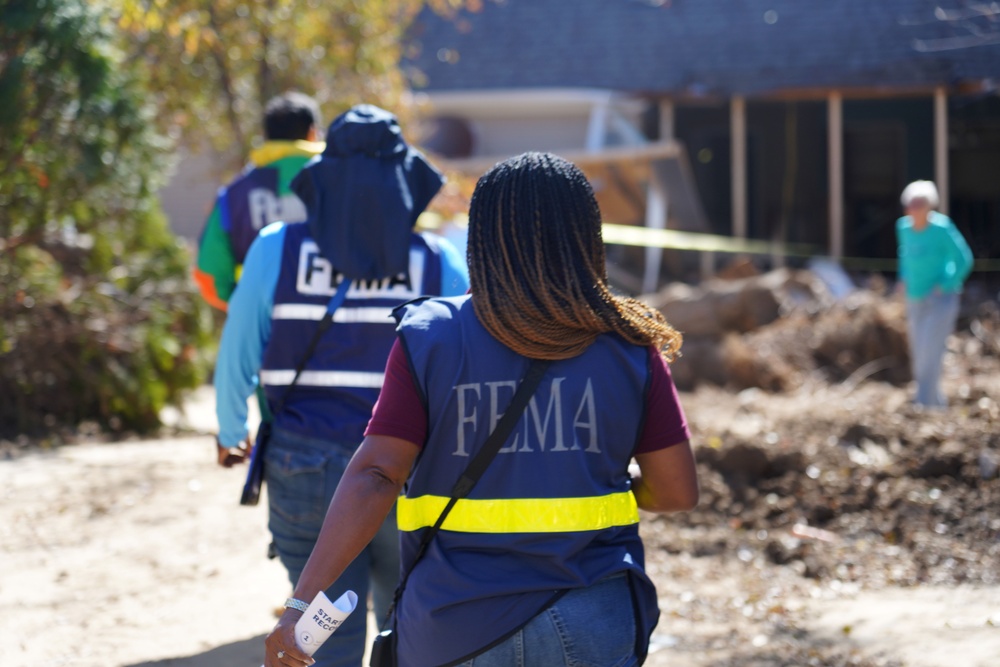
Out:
{"x": 280, "y": 649}
{"x": 364, "y": 497}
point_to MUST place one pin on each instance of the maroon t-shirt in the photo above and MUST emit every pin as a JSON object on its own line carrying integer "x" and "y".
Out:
{"x": 399, "y": 412}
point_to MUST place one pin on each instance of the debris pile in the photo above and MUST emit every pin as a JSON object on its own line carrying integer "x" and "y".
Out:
{"x": 850, "y": 482}
{"x": 811, "y": 455}
{"x": 776, "y": 330}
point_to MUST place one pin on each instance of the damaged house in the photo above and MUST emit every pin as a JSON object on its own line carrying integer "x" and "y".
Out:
{"x": 773, "y": 120}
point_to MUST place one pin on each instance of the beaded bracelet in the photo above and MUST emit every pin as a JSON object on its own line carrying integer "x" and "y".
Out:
{"x": 292, "y": 603}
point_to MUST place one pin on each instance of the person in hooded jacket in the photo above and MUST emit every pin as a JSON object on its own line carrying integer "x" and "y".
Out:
{"x": 363, "y": 195}
{"x": 541, "y": 563}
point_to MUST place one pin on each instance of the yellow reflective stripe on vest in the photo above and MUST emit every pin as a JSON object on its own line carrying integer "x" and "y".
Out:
{"x": 520, "y": 515}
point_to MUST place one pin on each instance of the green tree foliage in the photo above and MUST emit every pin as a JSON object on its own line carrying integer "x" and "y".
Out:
{"x": 98, "y": 319}
{"x": 213, "y": 64}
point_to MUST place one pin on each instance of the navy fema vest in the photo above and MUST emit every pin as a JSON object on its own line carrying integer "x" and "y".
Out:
{"x": 254, "y": 201}
{"x": 554, "y": 510}
{"x": 334, "y": 396}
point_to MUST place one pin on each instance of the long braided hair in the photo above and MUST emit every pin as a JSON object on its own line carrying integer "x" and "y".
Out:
{"x": 537, "y": 268}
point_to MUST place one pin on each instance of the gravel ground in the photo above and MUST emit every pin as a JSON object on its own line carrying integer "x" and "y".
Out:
{"x": 838, "y": 526}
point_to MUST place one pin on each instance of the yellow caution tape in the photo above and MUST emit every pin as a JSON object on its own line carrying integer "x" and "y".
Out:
{"x": 677, "y": 240}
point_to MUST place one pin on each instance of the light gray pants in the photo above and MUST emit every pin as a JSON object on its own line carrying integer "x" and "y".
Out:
{"x": 930, "y": 321}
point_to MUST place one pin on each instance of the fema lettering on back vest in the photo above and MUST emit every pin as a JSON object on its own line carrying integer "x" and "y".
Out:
{"x": 555, "y": 507}
{"x": 552, "y": 421}
{"x": 267, "y": 207}
{"x": 254, "y": 201}
{"x": 317, "y": 277}
{"x": 334, "y": 395}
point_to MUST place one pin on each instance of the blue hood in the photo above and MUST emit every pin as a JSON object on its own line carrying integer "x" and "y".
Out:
{"x": 364, "y": 193}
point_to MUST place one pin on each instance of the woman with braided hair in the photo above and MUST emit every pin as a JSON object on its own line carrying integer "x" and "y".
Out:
{"x": 539, "y": 282}
{"x": 538, "y": 562}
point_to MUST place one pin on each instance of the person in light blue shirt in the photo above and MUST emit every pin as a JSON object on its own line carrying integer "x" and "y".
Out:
{"x": 250, "y": 321}
{"x": 363, "y": 195}
{"x": 934, "y": 261}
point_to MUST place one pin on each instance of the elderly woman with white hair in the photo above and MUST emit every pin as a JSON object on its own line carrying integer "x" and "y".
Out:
{"x": 934, "y": 261}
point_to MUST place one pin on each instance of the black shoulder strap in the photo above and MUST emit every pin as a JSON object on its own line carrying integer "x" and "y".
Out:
{"x": 481, "y": 461}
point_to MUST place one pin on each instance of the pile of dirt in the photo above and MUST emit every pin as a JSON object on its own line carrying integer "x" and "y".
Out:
{"x": 717, "y": 307}
{"x": 850, "y": 482}
{"x": 862, "y": 337}
{"x": 783, "y": 329}
{"x": 813, "y": 460}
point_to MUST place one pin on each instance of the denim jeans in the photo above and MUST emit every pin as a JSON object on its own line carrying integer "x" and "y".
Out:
{"x": 302, "y": 473}
{"x": 930, "y": 321}
{"x": 587, "y": 627}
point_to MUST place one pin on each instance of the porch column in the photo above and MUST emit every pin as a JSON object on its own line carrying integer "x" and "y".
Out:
{"x": 597, "y": 127}
{"x": 738, "y": 159}
{"x": 656, "y": 203}
{"x": 666, "y": 120}
{"x": 835, "y": 151}
{"x": 941, "y": 146}
{"x": 656, "y": 218}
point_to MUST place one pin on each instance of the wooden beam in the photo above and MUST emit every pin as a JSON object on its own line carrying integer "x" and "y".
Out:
{"x": 821, "y": 93}
{"x": 666, "y": 120}
{"x": 856, "y": 93}
{"x": 835, "y": 165}
{"x": 941, "y": 146}
{"x": 654, "y": 256}
{"x": 706, "y": 264}
{"x": 738, "y": 159}
{"x": 628, "y": 185}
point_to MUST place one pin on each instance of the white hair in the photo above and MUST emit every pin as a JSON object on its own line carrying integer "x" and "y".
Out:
{"x": 925, "y": 190}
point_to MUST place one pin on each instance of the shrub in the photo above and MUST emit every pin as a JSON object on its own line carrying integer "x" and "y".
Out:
{"x": 98, "y": 318}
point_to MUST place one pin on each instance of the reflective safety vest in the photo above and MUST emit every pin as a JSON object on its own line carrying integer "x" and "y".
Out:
{"x": 334, "y": 396}
{"x": 554, "y": 510}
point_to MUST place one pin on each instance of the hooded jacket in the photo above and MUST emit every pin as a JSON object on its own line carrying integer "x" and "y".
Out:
{"x": 364, "y": 193}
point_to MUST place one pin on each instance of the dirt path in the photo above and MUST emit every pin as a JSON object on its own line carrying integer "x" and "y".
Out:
{"x": 136, "y": 554}
{"x": 132, "y": 554}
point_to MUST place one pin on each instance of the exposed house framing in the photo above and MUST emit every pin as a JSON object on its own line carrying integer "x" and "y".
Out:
{"x": 637, "y": 177}
{"x": 908, "y": 69}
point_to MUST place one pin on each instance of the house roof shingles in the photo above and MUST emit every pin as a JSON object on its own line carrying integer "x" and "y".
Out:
{"x": 699, "y": 46}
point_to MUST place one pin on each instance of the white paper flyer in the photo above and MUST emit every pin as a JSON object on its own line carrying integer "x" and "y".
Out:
{"x": 321, "y": 619}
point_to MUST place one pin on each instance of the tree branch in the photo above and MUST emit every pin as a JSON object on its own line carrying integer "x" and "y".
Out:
{"x": 226, "y": 79}
{"x": 265, "y": 78}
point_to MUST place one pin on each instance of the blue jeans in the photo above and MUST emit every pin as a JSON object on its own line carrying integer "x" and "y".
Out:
{"x": 930, "y": 321}
{"x": 302, "y": 474}
{"x": 587, "y": 627}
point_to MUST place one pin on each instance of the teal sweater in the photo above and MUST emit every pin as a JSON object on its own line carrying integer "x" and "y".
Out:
{"x": 936, "y": 256}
